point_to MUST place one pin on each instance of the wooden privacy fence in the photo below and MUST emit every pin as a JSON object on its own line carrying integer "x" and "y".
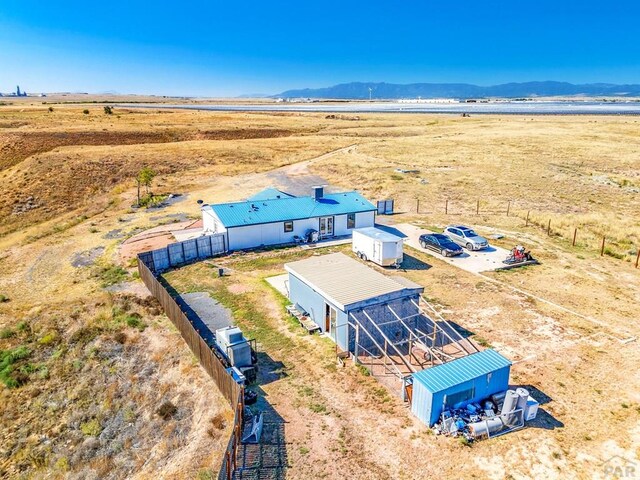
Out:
{"x": 182, "y": 253}
{"x": 213, "y": 365}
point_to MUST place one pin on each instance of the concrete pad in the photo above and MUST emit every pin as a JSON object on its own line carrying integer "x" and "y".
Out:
{"x": 475, "y": 262}
{"x": 209, "y": 310}
{"x": 328, "y": 242}
{"x": 187, "y": 234}
{"x": 280, "y": 283}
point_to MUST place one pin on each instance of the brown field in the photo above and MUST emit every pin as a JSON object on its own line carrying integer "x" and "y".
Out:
{"x": 94, "y": 360}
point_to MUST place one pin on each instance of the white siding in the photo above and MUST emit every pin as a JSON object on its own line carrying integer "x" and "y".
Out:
{"x": 211, "y": 223}
{"x": 364, "y": 219}
{"x": 253, "y": 236}
{"x": 268, "y": 234}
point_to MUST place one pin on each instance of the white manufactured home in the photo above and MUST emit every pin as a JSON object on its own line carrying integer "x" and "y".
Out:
{"x": 273, "y": 217}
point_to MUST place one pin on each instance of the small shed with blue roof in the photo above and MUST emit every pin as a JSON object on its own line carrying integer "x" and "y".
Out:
{"x": 457, "y": 383}
{"x": 273, "y": 217}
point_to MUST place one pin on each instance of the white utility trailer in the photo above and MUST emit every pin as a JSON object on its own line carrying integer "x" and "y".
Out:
{"x": 378, "y": 246}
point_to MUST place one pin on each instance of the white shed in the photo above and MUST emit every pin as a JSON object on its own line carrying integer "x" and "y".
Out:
{"x": 379, "y": 246}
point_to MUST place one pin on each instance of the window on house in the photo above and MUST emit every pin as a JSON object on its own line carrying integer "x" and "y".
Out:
{"x": 288, "y": 227}
{"x": 351, "y": 220}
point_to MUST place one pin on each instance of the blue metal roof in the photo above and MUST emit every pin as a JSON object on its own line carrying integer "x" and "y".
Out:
{"x": 257, "y": 212}
{"x": 460, "y": 370}
{"x": 269, "y": 194}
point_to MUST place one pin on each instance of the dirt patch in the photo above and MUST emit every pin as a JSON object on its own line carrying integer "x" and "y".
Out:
{"x": 88, "y": 258}
{"x": 239, "y": 288}
{"x": 112, "y": 234}
{"x": 137, "y": 289}
{"x": 17, "y": 146}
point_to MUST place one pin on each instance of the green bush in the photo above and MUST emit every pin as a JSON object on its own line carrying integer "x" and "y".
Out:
{"x": 614, "y": 254}
{"x": 8, "y": 358}
{"x": 91, "y": 428}
{"x": 135, "y": 322}
{"x": 49, "y": 338}
{"x": 85, "y": 111}
{"x": 6, "y": 333}
{"x": 3, "y": 298}
{"x": 111, "y": 274}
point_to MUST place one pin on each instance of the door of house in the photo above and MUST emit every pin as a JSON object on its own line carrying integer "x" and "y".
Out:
{"x": 330, "y": 318}
{"x": 326, "y": 227}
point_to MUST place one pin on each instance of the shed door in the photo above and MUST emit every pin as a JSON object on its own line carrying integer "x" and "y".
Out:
{"x": 330, "y": 318}
{"x": 409, "y": 392}
{"x": 377, "y": 251}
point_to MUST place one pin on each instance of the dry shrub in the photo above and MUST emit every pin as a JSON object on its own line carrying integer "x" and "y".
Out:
{"x": 218, "y": 423}
{"x": 167, "y": 410}
{"x": 120, "y": 337}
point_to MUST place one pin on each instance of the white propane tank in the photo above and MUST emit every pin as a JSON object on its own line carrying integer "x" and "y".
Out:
{"x": 523, "y": 395}
{"x": 510, "y": 402}
{"x": 485, "y": 427}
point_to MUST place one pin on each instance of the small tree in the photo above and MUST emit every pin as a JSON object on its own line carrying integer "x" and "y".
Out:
{"x": 144, "y": 178}
{"x": 85, "y": 111}
{"x": 108, "y": 110}
{"x": 51, "y": 109}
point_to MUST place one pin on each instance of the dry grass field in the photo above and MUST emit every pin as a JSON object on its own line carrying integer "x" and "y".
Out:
{"x": 97, "y": 383}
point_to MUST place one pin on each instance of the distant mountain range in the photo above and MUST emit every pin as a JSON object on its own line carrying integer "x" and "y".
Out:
{"x": 360, "y": 90}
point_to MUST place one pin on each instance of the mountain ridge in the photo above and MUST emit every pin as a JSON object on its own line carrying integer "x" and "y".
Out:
{"x": 383, "y": 90}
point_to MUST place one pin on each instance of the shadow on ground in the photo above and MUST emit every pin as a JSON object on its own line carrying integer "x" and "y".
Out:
{"x": 409, "y": 262}
{"x": 543, "y": 419}
{"x": 268, "y": 458}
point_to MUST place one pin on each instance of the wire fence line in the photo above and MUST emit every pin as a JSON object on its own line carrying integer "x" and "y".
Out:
{"x": 579, "y": 237}
{"x": 232, "y": 391}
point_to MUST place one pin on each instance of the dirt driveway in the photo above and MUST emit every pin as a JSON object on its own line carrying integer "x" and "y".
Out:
{"x": 474, "y": 262}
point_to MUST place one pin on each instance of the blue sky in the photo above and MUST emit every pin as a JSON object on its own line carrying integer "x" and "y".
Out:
{"x": 230, "y": 48}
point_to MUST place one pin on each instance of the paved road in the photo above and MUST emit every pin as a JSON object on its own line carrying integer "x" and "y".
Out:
{"x": 475, "y": 262}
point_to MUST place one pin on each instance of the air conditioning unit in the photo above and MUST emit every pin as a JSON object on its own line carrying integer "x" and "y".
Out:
{"x": 234, "y": 346}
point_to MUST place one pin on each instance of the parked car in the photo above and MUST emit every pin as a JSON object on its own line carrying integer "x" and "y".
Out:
{"x": 466, "y": 237}
{"x": 440, "y": 243}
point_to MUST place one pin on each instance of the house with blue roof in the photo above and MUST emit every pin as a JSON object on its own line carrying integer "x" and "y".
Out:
{"x": 273, "y": 217}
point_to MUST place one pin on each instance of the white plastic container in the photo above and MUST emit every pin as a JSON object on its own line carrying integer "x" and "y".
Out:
{"x": 378, "y": 246}
{"x": 531, "y": 410}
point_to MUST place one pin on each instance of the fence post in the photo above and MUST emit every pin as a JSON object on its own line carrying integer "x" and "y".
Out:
{"x": 575, "y": 233}
{"x": 446, "y": 206}
{"x": 602, "y": 248}
{"x": 528, "y": 212}
{"x": 478, "y": 207}
{"x": 417, "y": 205}
{"x": 638, "y": 258}
{"x": 549, "y": 227}
{"x": 228, "y": 460}
{"x": 508, "y": 207}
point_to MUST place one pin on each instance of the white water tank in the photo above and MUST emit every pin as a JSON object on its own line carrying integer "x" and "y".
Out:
{"x": 523, "y": 395}
{"x": 510, "y": 402}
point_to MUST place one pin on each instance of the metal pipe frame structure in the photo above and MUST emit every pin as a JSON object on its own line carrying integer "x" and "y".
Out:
{"x": 416, "y": 339}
